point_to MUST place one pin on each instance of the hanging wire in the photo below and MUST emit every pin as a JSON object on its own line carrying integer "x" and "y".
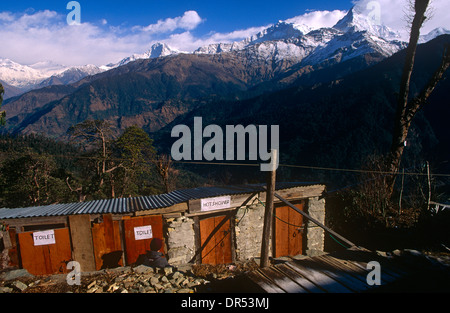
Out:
{"x": 257, "y": 165}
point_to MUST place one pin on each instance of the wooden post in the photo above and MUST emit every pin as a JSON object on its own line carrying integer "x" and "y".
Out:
{"x": 82, "y": 244}
{"x": 268, "y": 215}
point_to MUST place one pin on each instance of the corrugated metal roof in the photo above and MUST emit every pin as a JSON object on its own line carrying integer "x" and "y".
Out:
{"x": 130, "y": 205}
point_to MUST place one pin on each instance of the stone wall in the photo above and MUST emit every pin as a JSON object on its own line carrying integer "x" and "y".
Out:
{"x": 180, "y": 240}
{"x": 315, "y": 235}
{"x": 249, "y": 228}
{"x": 249, "y": 222}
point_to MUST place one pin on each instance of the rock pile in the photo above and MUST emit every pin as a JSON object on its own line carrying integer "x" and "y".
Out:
{"x": 139, "y": 279}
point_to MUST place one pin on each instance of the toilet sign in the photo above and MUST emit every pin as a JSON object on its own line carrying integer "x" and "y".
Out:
{"x": 143, "y": 232}
{"x": 42, "y": 238}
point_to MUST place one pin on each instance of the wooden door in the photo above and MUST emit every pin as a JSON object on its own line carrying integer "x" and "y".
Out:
{"x": 215, "y": 237}
{"x": 107, "y": 243}
{"x": 288, "y": 231}
{"x": 137, "y": 247}
{"x": 46, "y": 259}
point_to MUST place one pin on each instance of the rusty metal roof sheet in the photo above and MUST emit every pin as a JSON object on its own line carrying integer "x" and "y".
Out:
{"x": 131, "y": 205}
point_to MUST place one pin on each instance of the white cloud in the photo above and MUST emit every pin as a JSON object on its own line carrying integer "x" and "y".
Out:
{"x": 395, "y": 13}
{"x": 318, "y": 19}
{"x": 45, "y": 35}
{"x": 6, "y": 17}
{"x": 237, "y": 34}
{"x": 189, "y": 21}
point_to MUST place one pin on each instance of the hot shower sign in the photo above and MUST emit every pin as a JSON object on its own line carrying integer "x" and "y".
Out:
{"x": 218, "y": 203}
{"x": 43, "y": 238}
{"x": 143, "y": 232}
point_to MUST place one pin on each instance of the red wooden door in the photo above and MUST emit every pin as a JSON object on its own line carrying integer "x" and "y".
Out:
{"x": 45, "y": 259}
{"x": 288, "y": 231}
{"x": 218, "y": 244}
{"x": 135, "y": 248}
{"x": 107, "y": 243}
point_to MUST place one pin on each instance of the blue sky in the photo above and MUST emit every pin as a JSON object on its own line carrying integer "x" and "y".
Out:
{"x": 34, "y": 31}
{"x": 221, "y": 16}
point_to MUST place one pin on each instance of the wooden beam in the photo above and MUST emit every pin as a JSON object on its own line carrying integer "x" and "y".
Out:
{"x": 180, "y": 207}
{"x": 83, "y": 247}
{"x": 268, "y": 214}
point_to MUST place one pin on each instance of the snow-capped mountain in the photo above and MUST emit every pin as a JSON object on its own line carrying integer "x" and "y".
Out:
{"x": 433, "y": 34}
{"x": 356, "y": 22}
{"x": 284, "y": 42}
{"x": 19, "y": 76}
{"x": 70, "y": 75}
{"x": 354, "y": 35}
{"x": 48, "y": 68}
{"x": 157, "y": 50}
{"x": 46, "y": 73}
{"x": 27, "y": 77}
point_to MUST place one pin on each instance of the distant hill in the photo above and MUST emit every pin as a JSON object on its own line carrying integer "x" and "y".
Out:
{"x": 338, "y": 123}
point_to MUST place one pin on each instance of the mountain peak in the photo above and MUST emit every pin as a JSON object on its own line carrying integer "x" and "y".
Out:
{"x": 279, "y": 31}
{"x": 156, "y": 50}
{"x": 355, "y": 21}
{"x": 433, "y": 34}
{"x": 161, "y": 50}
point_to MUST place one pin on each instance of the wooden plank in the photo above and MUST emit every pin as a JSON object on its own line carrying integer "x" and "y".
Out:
{"x": 320, "y": 279}
{"x": 281, "y": 246}
{"x": 265, "y": 283}
{"x": 298, "y": 278}
{"x": 337, "y": 274}
{"x": 283, "y": 281}
{"x": 295, "y": 234}
{"x": 267, "y": 236}
{"x": 360, "y": 271}
{"x": 83, "y": 248}
{"x": 208, "y": 254}
{"x": 174, "y": 209}
{"x": 223, "y": 242}
{"x": 13, "y": 251}
{"x": 197, "y": 258}
{"x": 99, "y": 245}
{"x": 359, "y": 259}
{"x": 107, "y": 243}
{"x": 298, "y": 193}
{"x": 19, "y": 223}
{"x": 355, "y": 271}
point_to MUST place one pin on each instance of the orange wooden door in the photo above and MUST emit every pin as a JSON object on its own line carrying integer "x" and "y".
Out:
{"x": 107, "y": 243}
{"x": 288, "y": 231}
{"x": 218, "y": 240}
{"x": 45, "y": 259}
{"x": 135, "y": 248}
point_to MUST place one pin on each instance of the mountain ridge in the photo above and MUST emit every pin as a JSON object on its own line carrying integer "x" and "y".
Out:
{"x": 284, "y": 40}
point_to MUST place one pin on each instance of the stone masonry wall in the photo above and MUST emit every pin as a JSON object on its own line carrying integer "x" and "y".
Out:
{"x": 180, "y": 240}
{"x": 249, "y": 228}
{"x": 315, "y": 235}
{"x": 248, "y": 233}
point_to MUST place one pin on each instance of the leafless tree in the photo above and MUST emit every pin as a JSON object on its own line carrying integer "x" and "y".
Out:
{"x": 164, "y": 168}
{"x": 406, "y": 107}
